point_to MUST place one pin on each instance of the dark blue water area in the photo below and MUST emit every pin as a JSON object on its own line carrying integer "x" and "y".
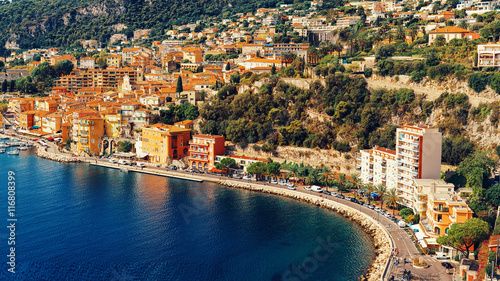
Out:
{"x": 81, "y": 222}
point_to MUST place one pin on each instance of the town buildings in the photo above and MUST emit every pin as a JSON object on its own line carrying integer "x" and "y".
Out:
{"x": 452, "y": 32}
{"x": 417, "y": 156}
{"x": 488, "y": 55}
{"x": 164, "y": 143}
{"x": 203, "y": 151}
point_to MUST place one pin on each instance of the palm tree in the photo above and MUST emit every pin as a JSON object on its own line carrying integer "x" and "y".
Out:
{"x": 368, "y": 190}
{"x": 324, "y": 178}
{"x": 400, "y": 35}
{"x": 356, "y": 181}
{"x": 338, "y": 48}
{"x": 341, "y": 179}
{"x": 381, "y": 190}
{"x": 392, "y": 199}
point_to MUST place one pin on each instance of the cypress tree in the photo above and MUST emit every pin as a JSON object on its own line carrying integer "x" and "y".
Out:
{"x": 179, "y": 89}
{"x": 12, "y": 85}
{"x": 4, "y": 86}
{"x": 228, "y": 67}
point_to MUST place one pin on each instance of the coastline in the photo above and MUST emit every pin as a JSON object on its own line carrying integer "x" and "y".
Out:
{"x": 382, "y": 240}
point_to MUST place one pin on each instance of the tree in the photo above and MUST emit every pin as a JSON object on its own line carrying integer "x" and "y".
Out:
{"x": 476, "y": 168}
{"x": 228, "y": 66}
{"x": 12, "y": 86}
{"x": 273, "y": 168}
{"x": 4, "y": 86}
{"x": 273, "y": 70}
{"x": 257, "y": 168}
{"x": 392, "y": 199}
{"x": 125, "y": 146}
{"x": 179, "y": 88}
{"x": 63, "y": 67}
{"x": 385, "y": 51}
{"x": 497, "y": 150}
{"x": 226, "y": 163}
{"x": 462, "y": 236}
{"x": 341, "y": 180}
{"x": 478, "y": 81}
{"x": 381, "y": 190}
{"x": 493, "y": 195}
{"x": 356, "y": 182}
{"x": 439, "y": 41}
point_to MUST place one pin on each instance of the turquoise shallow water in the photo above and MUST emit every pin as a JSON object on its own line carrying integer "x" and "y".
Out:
{"x": 79, "y": 222}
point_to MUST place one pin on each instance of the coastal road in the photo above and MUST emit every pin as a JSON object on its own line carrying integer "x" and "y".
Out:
{"x": 400, "y": 238}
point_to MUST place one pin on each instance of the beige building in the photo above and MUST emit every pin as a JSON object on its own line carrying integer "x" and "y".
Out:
{"x": 488, "y": 55}
{"x": 417, "y": 156}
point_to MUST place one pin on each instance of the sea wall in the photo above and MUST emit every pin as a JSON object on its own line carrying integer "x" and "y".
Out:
{"x": 382, "y": 241}
{"x": 41, "y": 152}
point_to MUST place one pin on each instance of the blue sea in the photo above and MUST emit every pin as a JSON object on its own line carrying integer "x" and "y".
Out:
{"x": 81, "y": 222}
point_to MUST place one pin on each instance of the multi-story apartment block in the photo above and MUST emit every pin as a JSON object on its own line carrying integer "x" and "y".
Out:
{"x": 277, "y": 50}
{"x": 90, "y": 133}
{"x": 417, "y": 156}
{"x": 488, "y": 55}
{"x": 164, "y": 143}
{"x": 105, "y": 78}
{"x": 51, "y": 123}
{"x": 114, "y": 60}
{"x": 87, "y": 62}
{"x": 203, "y": 150}
{"x": 439, "y": 206}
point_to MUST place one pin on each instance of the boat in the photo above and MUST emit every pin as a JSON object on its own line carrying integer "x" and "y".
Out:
{"x": 13, "y": 152}
{"x": 23, "y": 147}
{"x": 2, "y": 150}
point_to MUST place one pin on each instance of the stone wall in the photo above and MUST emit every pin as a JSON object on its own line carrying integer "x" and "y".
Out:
{"x": 41, "y": 152}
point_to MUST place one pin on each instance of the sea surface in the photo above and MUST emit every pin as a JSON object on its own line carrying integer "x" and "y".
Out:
{"x": 80, "y": 222}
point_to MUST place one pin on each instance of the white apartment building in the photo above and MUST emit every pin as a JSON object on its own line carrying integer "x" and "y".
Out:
{"x": 417, "y": 156}
{"x": 488, "y": 54}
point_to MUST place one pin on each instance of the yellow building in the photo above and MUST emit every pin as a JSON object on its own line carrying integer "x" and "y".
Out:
{"x": 194, "y": 55}
{"x": 90, "y": 132}
{"x": 112, "y": 124}
{"x": 164, "y": 143}
{"x": 439, "y": 206}
{"x": 114, "y": 60}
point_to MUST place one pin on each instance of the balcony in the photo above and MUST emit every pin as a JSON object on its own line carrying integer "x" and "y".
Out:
{"x": 441, "y": 210}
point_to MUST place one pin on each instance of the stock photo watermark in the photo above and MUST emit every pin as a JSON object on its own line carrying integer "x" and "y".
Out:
{"x": 311, "y": 262}
{"x": 11, "y": 220}
{"x": 200, "y": 202}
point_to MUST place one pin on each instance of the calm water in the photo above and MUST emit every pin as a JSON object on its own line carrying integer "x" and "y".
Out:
{"x": 78, "y": 222}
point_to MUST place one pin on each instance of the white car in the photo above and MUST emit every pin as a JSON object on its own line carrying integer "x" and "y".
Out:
{"x": 291, "y": 187}
{"x": 247, "y": 177}
{"x": 307, "y": 188}
{"x": 274, "y": 182}
{"x": 112, "y": 161}
{"x": 282, "y": 182}
{"x": 140, "y": 165}
{"x": 123, "y": 162}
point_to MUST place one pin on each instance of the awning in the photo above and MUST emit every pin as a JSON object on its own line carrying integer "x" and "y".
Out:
{"x": 422, "y": 243}
{"x": 51, "y": 138}
{"x": 36, "y": 127}
{"x": 215, "y": 170}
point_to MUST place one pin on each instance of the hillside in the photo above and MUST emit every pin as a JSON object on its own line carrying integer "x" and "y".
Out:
{"x": 56, "y": 23}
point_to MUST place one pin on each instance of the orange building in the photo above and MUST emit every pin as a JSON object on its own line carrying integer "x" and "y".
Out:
{"x": 26, "y": 119}
{"x": 439, "y": 206}
{"x": 90, "y": 132}
{"x": 203, "y": 150}
{"x": 164, "y": 143}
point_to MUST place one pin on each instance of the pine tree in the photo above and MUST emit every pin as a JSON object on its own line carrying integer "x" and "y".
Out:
{"x": 228, "y": 67}
{"x": 4, "y": 86}
{"x": 273, "y": 69}
{"x": 179, "y": 89}
{"x": 12, "y": 85}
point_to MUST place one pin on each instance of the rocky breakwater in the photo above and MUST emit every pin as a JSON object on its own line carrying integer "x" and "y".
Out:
{"x": 41, "y": 152}
{"x": 381, "y": 239}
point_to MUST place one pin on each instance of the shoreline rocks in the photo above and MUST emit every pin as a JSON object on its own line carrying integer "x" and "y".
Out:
{"x": 381, "y": 240}
{"x": 40, "y": 152}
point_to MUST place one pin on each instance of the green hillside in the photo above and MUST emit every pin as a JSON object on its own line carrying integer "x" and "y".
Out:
{"x": 46, "y": 23}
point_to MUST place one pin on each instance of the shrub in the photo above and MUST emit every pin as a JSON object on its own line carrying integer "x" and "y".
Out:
{"x": 478, "y": 81}
{"x": 368, "y": 72}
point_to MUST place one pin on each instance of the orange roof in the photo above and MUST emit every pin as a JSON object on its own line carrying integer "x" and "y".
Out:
{"x": 450, "y": 29}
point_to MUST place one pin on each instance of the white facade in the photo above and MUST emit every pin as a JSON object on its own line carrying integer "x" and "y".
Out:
{"x": 488, "y": 54}
{"x": 417, "y": 156}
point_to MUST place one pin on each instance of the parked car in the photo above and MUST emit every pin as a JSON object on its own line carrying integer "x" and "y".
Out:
{"x": 447, "y": 265}
{"x": 253, "y": 178}
{"x": 340, "y": 196}
{"x": 173, "y": 167}
{"x": 140, "y": 165}
{"x": 327, "y": 192}
{"x": 281, "y": 182}
{"x": 292, "y": 187}
{"x": 237, "y": 176}
{"x": 123, "y": 162}
{"x": 307, "y": 188}
{"x": 274, "y": 181}
{"x": 316, "y": 188}
{"x": 112, "y": 161}
{"x": 441, "y": 255}
{"x": 247, "y": 177}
